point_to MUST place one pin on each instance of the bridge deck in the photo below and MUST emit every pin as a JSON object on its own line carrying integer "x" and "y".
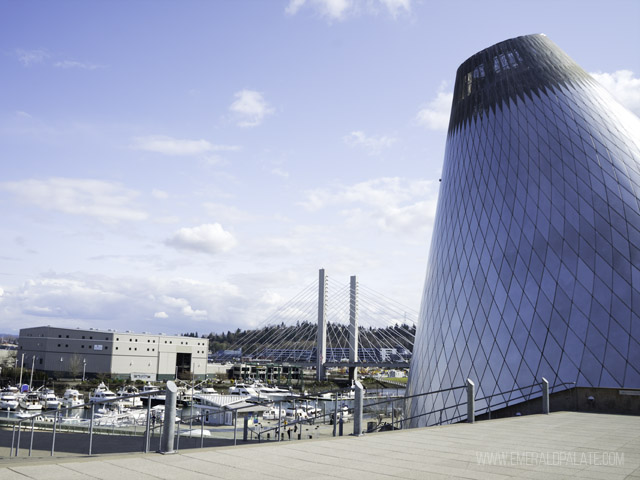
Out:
{"x": 560, "y": 445}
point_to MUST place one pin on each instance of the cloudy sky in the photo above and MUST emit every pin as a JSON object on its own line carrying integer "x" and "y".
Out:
{"x": 189, "y": 166}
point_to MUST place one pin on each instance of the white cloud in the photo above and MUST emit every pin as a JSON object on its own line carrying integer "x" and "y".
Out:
{"x": 280, "y": 172}
{"x": 178, "y": 147}
{"x": 76, "y": 64}
{"x": 390, "y": 204}
{"x": 435, "y": 114}
{"x": 342, "y": 9}
{"x": 249, "y": 108}
{"x": 31, "y": 57}
{"x": 395, "y": 7}
{"x": 207, "y": 238}
{"x": 227, "y": 213}
{"x": 81, "y": 300}
{"x": 373, "y": 145}
{"x": 106, "y": 201}
{"x": 623, "y": 86}
{"x": 159, "y": 194}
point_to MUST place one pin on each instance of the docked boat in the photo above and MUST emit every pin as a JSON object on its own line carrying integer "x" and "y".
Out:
{"x": 9, "y": 398}
{"x": 156, "y": 398}
{"x": 296, "y": 414}
{"x": 274, "y": 414}
{"x": 259, "y": 391}
{"x": 131, "y": 402}
{"x": 72, "y": 398}
{"x": 48, "y": 399}
{"x": 30, "y": 401}
{"x": 102, "y": 394}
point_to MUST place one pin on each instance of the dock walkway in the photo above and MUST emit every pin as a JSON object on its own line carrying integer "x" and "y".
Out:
{"x": 560, "y": 445}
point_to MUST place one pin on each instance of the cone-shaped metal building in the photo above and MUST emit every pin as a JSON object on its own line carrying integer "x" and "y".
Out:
{"x": 534, "y": 267}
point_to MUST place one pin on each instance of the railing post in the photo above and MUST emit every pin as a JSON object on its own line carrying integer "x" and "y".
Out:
{"x": 169, "y": 424}
{"x": 358, "y": 408}
{"x": 245, "y": 428}
{"x": 93, "y": 407}
{"x": 147, "y": 432}
{"x": 471, "y": 401}
{"x": 201, "y": 428}
{"x": 235, "y": 427}
{"x": 13, "y": 438}
{"x": 33, "y": 421}
{"x": 53, "y": 438}
{"x": 18, "y": 443}
{"x": 279, "y": 420}
{"x": 393, "y": 414}
{"x": 335, "y": 415}
{"x": 545, "y": 396}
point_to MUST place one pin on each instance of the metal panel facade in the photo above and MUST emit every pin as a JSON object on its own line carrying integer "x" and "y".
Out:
{"x": 534, "y": 267}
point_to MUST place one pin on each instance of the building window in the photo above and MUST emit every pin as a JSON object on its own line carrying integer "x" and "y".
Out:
{"x": 58, "y": 344}
{"x": 81, "y": 346}
{"x": 136, "y": 339}
{"x": 106, "y": 348}
{"x": 90, "y": 338}
{"x": 118, "y": 339}
{"x": 147, "y": 349}
{"x": 90, "y": 346}
{"x": 67, "y": 336}
{"x": 66, "y": 345}
{"x": 59, "y": 336}
{"x": 116, "y": 348}
{"x": 83, "y": 337}
{"x": 129, "y": 348}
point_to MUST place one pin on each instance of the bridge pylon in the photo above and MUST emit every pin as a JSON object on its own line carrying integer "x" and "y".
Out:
{"x": 321, "y": 339}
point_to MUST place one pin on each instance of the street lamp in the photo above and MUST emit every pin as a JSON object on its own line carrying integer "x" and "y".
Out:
{"x": 21, "y": 367}
{"x": 33, "y": 362}
{"x": 84, "y": 367}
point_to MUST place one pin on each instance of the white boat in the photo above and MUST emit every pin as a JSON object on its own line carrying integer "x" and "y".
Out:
{"x": 273, "y": 414}
{"x": 9, "y": 398}
{"x": 244, "y": 389}
{"x": 102, "y": 393}
{"x": 131, "y": 402}
{"x": 30, "y": 401}
{"x": 260, "y": 392}
{"x": 72, "y": 398}
{"x": 48, "y": 399}
{"x": 297, "y": 414}
{"x": 155, "y": 398}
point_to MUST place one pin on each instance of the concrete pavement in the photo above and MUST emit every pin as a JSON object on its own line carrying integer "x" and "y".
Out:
{"x": 560, "y": 445}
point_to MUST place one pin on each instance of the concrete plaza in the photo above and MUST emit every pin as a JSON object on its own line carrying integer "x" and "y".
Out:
{"x": 560, "y": 445}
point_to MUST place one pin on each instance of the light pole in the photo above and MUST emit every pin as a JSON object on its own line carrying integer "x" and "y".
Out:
{"x": 84, "y": 367}
{"x": 33, "y": 362}
{"x": 21, "y": 367}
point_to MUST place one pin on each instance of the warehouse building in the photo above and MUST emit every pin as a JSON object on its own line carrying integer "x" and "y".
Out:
{"x": 138, "y": 356}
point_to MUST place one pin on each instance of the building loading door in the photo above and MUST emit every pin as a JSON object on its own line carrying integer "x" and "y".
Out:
{"x": 183, "y": 365}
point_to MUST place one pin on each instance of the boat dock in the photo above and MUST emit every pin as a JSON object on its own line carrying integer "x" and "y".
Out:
{"x": 559, "y": 445}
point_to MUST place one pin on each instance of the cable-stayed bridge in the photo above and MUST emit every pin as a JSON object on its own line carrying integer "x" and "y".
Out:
{"x": 328, "y": 324}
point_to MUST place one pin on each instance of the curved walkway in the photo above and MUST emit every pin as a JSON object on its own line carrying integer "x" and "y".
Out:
{"x": 560, "y": 445}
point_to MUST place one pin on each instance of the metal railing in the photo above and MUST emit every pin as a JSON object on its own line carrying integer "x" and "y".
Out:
{"x": 336, "y": 415}
{"x": 57, "y": 423}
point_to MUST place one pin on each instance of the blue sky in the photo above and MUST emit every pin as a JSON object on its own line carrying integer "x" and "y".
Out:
{"x": 180, "y": 166}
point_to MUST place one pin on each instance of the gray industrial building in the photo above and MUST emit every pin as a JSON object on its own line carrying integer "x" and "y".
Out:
{"x": 127, "y": 354}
